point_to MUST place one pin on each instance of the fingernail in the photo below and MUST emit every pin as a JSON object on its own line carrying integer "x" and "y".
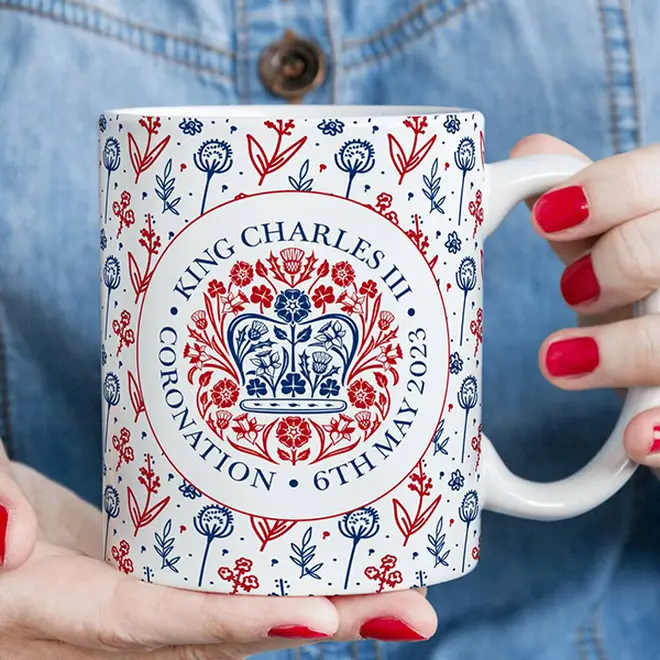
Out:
{"x": 572, "y": 357}
{"x": 655, "y": 445}
{"x": 4, "y": 520}
{"x": 578, "y": 282}
{"x": 561, "y": 209}
{"x": 389, "y": 629}
{"x": 296, "y": 632}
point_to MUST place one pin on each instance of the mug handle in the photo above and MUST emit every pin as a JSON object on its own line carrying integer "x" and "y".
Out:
{"x": 509, "y": 182}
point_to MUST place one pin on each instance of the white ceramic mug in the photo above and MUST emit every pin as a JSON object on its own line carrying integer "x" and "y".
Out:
{"x": 292, "y": 323}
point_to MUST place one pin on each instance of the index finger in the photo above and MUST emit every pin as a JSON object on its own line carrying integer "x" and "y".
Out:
{"x": 606, "y": 194}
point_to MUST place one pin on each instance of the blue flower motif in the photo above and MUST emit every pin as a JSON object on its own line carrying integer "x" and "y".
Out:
{"x": 266, "y": 363}
{"x": 331, "y": 335}
{"x": 329, "y": 387}
{"x": 455, "y": 363}
{"x": 292, "y": 305}
{"x": 189, "y": 491}
{"x": 191, "y": 126}
{"x": 103, "y": 123}
{"x": 331, "y": 127}
{"x": 256, "y": 387}
{"x": 457, "y": 480}
{"x": 104, "y": 240}
{"x": 452, "y": 124}
{"x": 453, "y": 242}
{"x": 293, "y": 384}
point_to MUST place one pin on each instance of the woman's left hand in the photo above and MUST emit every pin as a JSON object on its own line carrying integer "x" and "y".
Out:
{"x": 604, "y": 223}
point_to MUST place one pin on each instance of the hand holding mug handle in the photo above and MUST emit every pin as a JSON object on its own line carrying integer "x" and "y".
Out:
{"x": 510, "y": 182}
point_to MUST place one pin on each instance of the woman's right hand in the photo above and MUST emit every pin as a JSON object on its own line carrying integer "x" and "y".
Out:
{"x": 58, "y": 600}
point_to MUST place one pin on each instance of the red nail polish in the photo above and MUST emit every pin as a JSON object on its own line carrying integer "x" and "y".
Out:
{"x": 296, "y": 632}
{"x": 578, "y": 282}
{"x": 389, "y": 629}
{"x": 4, "y": 520}
{"x": 572, "y": 357}
{"x": 655, "y": 445}
{"x": 560, "y": 209}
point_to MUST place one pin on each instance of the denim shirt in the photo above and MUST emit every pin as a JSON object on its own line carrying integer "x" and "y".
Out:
{"x": 587, "y": 72}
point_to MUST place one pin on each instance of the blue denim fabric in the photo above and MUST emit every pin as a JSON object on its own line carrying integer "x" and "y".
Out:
{"x": 588, "y": 72}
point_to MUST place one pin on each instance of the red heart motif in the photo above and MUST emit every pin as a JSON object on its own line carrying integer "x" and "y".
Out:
{"x": 182, "y": 529}
{"x": 322, "y": 167}
{"x": 182, "y": 167}
{"x": 325, "y": 535}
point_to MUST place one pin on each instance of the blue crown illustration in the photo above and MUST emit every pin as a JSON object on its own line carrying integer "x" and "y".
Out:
{"x": 292, "y": 362}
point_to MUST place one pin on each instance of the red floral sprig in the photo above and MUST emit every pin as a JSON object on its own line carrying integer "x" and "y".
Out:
{"x": 477, "y": 212}
{"x": 123, "y": 212}
{"x": 140, "y": 161}
{"x": 264, "y": 164}
{"x": 385, "y": 575}
{"x": 405, "y": 163}
{"x": 120, "y": 555}
{"x": 268, "y": 530}
{"x": 121, "y": 445}
{"x": 143, "y": 516}
{"x": 476, "y": 445}
{"x": 240, "y": 576}
{"x": 422, "y": 485}
{"x": 151, "y": 242}
{"x": 476, "y": 328}
{"x": 121, "y": 329}
{"x": 476, "y": 551}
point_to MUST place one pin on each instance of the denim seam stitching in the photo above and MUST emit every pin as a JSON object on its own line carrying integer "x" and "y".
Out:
{"x": 87, "y": 25}
{"x": 242, "y": 55}
{"x": 398, "y": 24}
{"x": 382, "y": 36}
{"x": 333, "y": 52}
{"x": 5, "y": 410}
{"x": 624, "y": 90}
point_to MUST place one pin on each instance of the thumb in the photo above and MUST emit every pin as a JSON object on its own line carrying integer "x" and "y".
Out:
{"x": 18, "y": 522}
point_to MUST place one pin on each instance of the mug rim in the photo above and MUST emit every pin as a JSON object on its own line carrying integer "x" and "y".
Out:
{"x": 311, "y": 111}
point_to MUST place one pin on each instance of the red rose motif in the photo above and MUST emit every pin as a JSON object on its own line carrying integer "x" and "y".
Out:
{"x": 261, "y": 295}
{"x": 369, "y": 288}
{"x": 362, "y": 394}
{"x": 216, "y": 288}
{"x": 323, "y": 295}
{"x": 343, "y": 274}
{"x": 241, "y": 273}
{"x": 293, "y": 432}
{"x": 224, "y": 393}
{"x": 388, "y": 561}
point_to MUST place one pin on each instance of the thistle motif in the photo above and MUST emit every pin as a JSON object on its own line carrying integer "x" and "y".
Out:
{"x": 358, "y": 525}
{"x": 111, "y": 160}
{"x": 212, "y": 157}
{"x": 213, "y": 522}
{"x": 355, "y": 157}
{"x": 465, "y": 160}
{"x": 468, "y": 513}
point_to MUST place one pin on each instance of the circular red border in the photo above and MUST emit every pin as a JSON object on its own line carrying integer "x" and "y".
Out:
{"x": 137, "y": 351}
